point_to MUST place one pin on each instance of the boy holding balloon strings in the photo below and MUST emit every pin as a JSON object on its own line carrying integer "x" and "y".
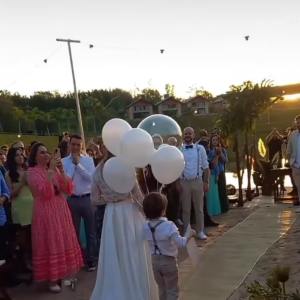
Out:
{"x": 163, "y": 238}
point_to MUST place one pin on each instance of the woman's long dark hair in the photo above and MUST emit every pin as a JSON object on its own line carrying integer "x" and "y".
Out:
{"x": 33, "y": 154}
{"x": 211, "y": 144}
{"x": 107, "y": 156}
{"x": 12, "y": 165}
{"x": 63, "y": 146}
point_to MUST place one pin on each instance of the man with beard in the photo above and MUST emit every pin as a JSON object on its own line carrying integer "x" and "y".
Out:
{"x": 193, "y": 186}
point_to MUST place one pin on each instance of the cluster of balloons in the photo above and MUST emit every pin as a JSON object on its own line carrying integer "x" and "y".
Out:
{"x": 133, "y": 148}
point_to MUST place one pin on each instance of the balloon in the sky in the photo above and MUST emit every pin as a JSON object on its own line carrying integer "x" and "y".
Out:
{"x": 112, "y": 134}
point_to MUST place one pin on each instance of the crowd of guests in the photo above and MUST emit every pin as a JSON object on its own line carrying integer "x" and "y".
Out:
{"x": 52, "y": 209}
{"x": 201, "y": 191}
{"x": 40, "y": 230}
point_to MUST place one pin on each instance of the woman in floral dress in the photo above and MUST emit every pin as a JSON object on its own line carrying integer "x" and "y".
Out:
{"x": 56, "y": 252}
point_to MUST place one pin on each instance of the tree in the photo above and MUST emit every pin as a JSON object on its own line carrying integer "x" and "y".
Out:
{"x": 246, "y": 103}
{"x": 69, "y": 113}
{"x": 6, "y": 107}
{"x": 169, "y": 89}
{"x": 196, "y": 91}
{"x": 18, "y": 114}
{"x": 48, "y": 117}
{"x": 152, "y": 95}
{"x": 60, "y": 114}
{"x": 33, "y": 115}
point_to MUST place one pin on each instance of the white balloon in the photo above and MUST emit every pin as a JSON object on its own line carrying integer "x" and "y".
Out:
{"x": 118, "y": 175}
{"x": 112, "y": 134}
{"x": 163, "y": 145}
{"x": 137, "y": 147}
{"x": 167, "y": 164}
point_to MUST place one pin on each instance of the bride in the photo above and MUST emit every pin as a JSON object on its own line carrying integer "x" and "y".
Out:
{"x": 124, "y": 267}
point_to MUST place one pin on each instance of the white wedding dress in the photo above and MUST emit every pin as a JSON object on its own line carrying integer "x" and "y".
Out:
{"x": 124, "y": 267}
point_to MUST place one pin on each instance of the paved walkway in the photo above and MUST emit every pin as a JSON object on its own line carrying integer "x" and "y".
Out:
{"x": 228, "y": 259}
{"x": 225, "y": 262}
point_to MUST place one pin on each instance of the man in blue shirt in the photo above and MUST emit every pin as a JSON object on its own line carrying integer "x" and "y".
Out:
{"x": 4, "y": 196}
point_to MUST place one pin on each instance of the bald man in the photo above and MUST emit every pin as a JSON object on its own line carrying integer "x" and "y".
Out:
{"x": 172, "y": 141}
{"x": 193, "y": 186}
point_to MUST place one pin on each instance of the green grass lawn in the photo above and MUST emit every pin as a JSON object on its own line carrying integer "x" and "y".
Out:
{"x": 50, "y": 142}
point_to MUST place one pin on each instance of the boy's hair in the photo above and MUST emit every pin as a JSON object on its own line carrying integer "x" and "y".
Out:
{"x": 154, "y": 205}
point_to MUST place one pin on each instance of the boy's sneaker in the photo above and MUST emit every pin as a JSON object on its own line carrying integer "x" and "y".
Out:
{"x": 91, "y": 266}
{"x": 202, "y": 236}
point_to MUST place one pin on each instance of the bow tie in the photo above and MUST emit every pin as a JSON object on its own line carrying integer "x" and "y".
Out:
{"x": 189, "y": 147}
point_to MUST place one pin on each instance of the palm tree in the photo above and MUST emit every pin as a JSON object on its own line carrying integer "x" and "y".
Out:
{"x": 48, "y": 117}
{"x": 246, "y": 103}
{"x": 69, "y": 114}
{"x": 60, "y": 114}
{"x": 19, "y": 115}
{"x": 33, "y": 115}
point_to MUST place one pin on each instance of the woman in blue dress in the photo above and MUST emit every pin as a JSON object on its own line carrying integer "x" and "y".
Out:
{"x": 212, "y": 195}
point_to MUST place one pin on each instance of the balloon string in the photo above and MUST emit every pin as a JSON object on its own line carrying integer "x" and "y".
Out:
{"x": 139, "y": 205}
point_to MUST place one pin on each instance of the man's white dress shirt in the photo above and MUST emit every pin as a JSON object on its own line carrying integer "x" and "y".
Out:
{"x": 81, "y": 174}
{"x": 195, "y": 161}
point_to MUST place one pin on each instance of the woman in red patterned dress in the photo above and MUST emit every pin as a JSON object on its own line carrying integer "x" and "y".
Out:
{"x": 56, "y": 252}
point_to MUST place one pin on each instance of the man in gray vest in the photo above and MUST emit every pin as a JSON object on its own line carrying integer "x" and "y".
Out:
{"x": 193, "y": 187}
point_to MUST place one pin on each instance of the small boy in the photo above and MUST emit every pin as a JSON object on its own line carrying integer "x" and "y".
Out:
{"x": 163, "y": 238}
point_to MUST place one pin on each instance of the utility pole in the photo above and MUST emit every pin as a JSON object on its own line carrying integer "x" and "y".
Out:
{"x": 75, "y": 90}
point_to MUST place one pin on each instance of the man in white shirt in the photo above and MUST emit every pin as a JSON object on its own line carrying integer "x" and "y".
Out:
{"x": 193, "y": 187}
{"x": 80, "y": 169}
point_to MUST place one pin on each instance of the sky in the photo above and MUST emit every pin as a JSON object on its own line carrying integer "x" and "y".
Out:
{"x": 203, "y": 41}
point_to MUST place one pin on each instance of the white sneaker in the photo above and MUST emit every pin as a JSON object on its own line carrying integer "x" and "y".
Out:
{"x": 297, "y": 210}
{"x": 2, "y": 262}
{"x": 55, "y": 289}
{"x": 202, "y": 236}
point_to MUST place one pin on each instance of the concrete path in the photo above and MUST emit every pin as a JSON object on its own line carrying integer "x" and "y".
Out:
{"x": 225, "y": 261}
{"x": 229, "y": 258}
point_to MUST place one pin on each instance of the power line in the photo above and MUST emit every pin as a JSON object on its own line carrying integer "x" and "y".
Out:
{"x": 42, "y": 62}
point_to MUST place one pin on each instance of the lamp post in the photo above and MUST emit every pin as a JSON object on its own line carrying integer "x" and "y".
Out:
{"x": 75, "y": 90}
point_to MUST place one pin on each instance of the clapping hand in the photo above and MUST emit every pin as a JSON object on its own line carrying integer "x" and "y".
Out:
{"x": 75, "y": 158}
{"x": 218, "y": 151}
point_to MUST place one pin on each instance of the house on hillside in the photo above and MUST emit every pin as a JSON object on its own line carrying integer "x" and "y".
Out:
{"x": 218, "y": 104}
{"x": 198, "y": 105}
{"x": 139, "y": 109}
{"x": 169, "y": 106}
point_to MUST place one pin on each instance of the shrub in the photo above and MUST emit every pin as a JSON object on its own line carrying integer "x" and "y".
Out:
{"x": 274, "y": 289}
